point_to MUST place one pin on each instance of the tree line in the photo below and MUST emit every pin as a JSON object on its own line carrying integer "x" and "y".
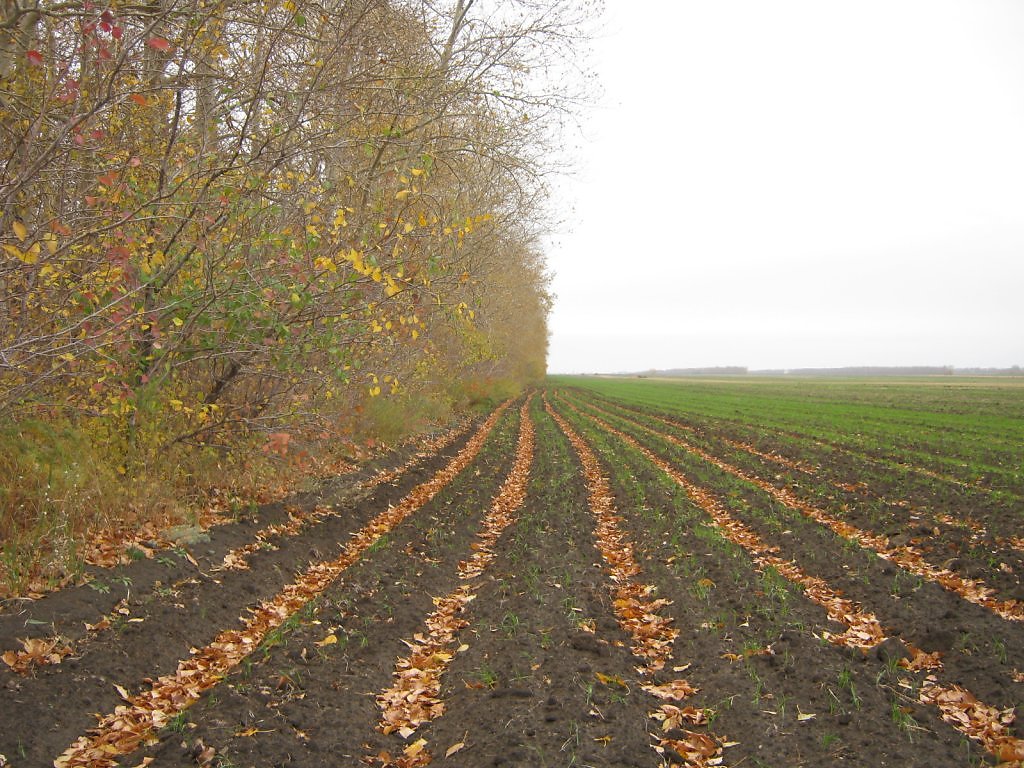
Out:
{"x": 223, "y": 218}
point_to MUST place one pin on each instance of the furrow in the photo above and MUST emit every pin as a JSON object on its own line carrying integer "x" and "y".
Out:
{"x": 983, "y": 723}
{"x": 638, "y": 612}
{"x": 888, "y": 463}
{"x": 414, "y": 696}
{"x": 237, "y": 559}
{"x": 975, "y": 528}
{"x": 130, "y": 725}
{"x": 973, "y": 590}
{"x": 42, "y": 651}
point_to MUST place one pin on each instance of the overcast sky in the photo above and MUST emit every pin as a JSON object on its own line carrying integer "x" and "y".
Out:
{"x": 797, "y": 184}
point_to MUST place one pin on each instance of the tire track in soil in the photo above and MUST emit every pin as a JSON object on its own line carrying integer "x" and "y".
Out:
{"x": 130, "y": 724}
{"x": 526, "y": 692}
{"x": 976, "y": 531}
{"x": 60, "y": 621}
{"x": 306, "y": 697}
{"x": 971, "y": 590}
{"x": 985, "y": 724}
{"x": 639, "y": 614}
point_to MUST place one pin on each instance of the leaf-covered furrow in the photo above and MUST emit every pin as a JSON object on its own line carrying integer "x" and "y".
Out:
{"x": 815, "y": 436}
{"x": 124, "y": 730}
{"x": 901, "y": 519}
{"x": 51, "y": 649}
{"x": 972, "y": 590}
{"x": 306, "y": 692}
{"x": 413, "y": 697}
{"x": 639, "y": 613}
{"x": 988, "y": 725}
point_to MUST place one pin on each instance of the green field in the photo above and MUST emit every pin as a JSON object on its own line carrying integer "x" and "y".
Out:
{"x": 967, "y": 429}
{"x": 606, "y": 572}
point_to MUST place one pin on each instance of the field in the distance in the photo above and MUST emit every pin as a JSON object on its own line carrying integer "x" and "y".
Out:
{"x": 610, "y": 572}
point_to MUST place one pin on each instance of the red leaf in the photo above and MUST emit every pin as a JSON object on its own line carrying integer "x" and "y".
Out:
{"x": 159, "y": 44}
{"x": 34, "y": 57}
{"x": 139, "y": 99}
{"x": 116, "y": 32}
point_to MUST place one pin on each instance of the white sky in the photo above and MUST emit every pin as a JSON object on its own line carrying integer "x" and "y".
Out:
{"x": 797, "y": 184}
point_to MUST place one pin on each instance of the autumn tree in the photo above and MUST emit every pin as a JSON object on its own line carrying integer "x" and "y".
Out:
{"x": 226, "y": 217}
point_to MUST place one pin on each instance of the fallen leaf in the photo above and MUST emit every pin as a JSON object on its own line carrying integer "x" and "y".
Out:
{"x": 415, "y": 748}
{"x": 611, "y": 680}
{"x": 458, "y": 745}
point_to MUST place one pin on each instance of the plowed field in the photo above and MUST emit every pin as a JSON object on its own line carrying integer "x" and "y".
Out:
{"x": 589, "y": 577}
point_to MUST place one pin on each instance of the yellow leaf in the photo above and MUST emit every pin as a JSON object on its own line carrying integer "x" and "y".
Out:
{"x": 16, "y": 252}
{"x": 417, "y": 171}
{"x": 325, "y": 264}
{"x": 611, "y": 680}
{"x": 402, "y": 194}
{"x": 331, "y": 639}
{"x": 415, "y": 748}
{"x": 19, "y": 230}
{"x": 178, "y": 322}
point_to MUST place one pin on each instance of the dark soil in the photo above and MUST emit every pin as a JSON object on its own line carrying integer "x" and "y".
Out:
{"x": 545, "y": 676}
